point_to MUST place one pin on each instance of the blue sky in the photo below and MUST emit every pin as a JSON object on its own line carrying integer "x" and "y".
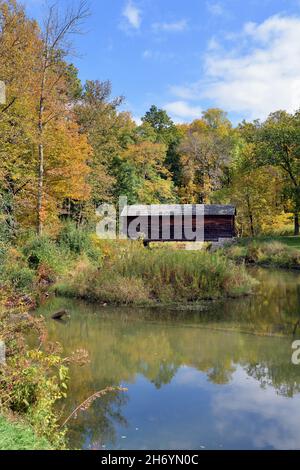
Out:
{"x": 188, "y": 55}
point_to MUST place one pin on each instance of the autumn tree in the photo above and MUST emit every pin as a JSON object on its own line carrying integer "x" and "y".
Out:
{"x": 20, "y": 47}
{"x": 53, "y": 72}
{"x": 22, "y": 67}
{"x": 151, "y": 180}
{"x": 255, "y": 192}
{"x": 278, "y": 144}
{"x": 205, "y": 155}
{"x": 108, "y": 133}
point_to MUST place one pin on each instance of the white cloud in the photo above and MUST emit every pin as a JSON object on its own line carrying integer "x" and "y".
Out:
{"x": 137, "y": 120}
{"x": 213, "y": 44}
{"x": 176, "y": 26}
{"x": 183, "y": 110}
{"x": 147, "y": 54}
{"x": 215, "y": 8}
{"x": 273, "y": 420}
{"x": 157, "y": 55}
{"x": 185, "y": 92}
{"x": 132, "y": 15}
{"x": 258, "y": 74}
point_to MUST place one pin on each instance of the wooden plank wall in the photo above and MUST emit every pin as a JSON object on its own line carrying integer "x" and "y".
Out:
{"x": 215, "y": 227}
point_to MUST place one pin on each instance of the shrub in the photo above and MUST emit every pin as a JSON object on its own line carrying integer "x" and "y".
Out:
{"x": 74, "y": 239}
{"x": 43, "y": 250}
{"x": 79, "y": 241}
{"x": 266, "y": 253}
{"x": 32, "y": 380}
{"x": 21, "y": 278}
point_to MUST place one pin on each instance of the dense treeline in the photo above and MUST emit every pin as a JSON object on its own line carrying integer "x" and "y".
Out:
{"x": 65, "y": 146}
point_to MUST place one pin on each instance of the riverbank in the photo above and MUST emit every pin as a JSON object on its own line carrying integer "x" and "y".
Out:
{"x": 34, "y": 376}
{"x": 133, "y": 275}
{"x": 280, "y": 252}
{"x": 188, "y": 361}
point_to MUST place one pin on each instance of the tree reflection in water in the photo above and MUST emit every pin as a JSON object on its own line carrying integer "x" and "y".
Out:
{"x": 125, "y": 344}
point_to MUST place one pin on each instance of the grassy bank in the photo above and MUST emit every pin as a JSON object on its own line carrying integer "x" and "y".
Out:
{"x": 132, "y": 274}
{"x": 283, "y": 252}
{"x": 290, "y": 241}
{"x": 35, "y": 375}
{"x": 16, "y": 436}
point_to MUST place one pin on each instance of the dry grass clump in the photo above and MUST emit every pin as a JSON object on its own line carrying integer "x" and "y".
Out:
{"x": 135, "y": 275}
{"x": 271, "y": 252}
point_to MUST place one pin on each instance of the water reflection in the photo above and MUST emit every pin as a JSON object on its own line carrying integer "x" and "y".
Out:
{"x": 194, "y": 379}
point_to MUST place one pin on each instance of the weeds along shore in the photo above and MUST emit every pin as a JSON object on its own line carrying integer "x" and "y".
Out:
{"x": 76, "y": 263}
{"x": 130, "y": 274}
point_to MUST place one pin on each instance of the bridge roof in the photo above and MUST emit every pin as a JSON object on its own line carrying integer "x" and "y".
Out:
{"x": 177, "y": 210}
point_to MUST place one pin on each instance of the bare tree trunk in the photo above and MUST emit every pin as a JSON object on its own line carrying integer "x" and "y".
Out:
{"x": 55, "y": 41}
{"x": 296, "y": 224}
{"x": 250, "y": 215}
{"x": 251, "y": 224}
{"x": 41, "y": 156}
{"x": 40, "y": 190}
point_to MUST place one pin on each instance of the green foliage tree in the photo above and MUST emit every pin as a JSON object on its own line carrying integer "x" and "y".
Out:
{"x": 158, "y": 127}
{"x": 277, "y": 143}
{"x": 206, "y": 151}
{"x": 108, "y": 134}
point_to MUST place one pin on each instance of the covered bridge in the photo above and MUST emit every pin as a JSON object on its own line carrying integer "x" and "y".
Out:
{"x": 178, "y": 222}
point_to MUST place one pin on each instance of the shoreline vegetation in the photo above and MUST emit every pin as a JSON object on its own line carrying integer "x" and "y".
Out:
{"x": 129, "y": 274}
{"x": 19, "y": 436}
{"x": 282, "y": 252}
{"x": 77, "y": 264}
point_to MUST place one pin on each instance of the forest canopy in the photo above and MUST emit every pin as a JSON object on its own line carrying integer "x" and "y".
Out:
{"x": 67, "y": 146}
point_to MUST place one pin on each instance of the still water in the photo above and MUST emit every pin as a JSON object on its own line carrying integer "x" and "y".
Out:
{"x": 219, "y": 378}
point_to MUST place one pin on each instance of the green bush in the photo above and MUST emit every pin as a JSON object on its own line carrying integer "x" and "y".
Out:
{"x": 21, "y": 278}
{"x": 78, "y": 241}
{"x": 74, "y": 239}
{"x": 32, "y": 380}
{"x": 44, "y": 250}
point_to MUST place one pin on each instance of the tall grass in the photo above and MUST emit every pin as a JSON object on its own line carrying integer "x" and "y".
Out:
{"x": 271, "y": 252}
{"x": 139, "y": 275}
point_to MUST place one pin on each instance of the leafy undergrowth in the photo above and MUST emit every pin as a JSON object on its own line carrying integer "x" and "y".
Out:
{"x": 273, "y": 253}
{"x": 17, "y": 436}
{"x": 131, "y": 274}
{"x": 35, "y": 375}
{"x": 34, "y": 378}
